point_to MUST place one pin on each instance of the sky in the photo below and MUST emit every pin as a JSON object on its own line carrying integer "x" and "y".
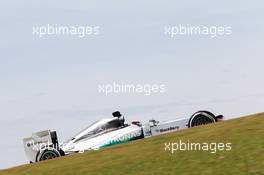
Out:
{"x": 52, "y": 82}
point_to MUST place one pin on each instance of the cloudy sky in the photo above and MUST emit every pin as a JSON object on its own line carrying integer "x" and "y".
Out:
{"x": 52, "y": 82}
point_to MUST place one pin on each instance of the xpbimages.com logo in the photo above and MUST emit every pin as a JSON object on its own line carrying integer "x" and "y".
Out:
{"x": 65, "y": 30}
{"x": 145, "y": 89}
{"x": 190, "y": 30}
{"x": 212, "y": 147}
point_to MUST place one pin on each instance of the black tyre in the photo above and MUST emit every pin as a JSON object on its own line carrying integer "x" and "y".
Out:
{"x": 49, "y": 154}
{"x": 201, "y": 118}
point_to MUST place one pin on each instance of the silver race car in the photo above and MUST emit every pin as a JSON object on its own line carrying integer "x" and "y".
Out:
{"x": 106, "y": 132}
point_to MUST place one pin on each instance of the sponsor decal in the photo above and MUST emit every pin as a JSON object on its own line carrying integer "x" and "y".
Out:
{"x": 124, "y": 138}
{"x": 168, "y": 129}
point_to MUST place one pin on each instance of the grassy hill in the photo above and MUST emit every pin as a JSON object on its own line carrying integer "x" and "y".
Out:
{"x": 148, "y": 156}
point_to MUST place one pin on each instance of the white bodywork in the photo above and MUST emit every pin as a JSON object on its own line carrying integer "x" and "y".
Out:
{"x": 107, "y": 132}
{"x": 100, "y": 140}
{"x": 168, "y": 126}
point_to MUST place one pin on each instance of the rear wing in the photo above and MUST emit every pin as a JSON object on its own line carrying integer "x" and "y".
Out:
{"x": 38, "y": 141}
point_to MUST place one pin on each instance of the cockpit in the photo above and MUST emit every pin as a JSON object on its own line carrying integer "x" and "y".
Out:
{"x": 98, "y": 128}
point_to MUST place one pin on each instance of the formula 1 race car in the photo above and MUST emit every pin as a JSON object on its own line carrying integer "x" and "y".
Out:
{"x": 106, "y": 132}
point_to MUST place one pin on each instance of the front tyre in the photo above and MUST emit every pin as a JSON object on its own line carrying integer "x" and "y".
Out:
{"x": 201, "y": 118}
{"x": 49, "y": 154}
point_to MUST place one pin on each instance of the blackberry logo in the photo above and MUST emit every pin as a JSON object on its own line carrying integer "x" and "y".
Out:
{"x": 168, "y": 129}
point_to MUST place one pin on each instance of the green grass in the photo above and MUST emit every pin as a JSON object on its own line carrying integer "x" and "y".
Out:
{"x": 147, "y": 156}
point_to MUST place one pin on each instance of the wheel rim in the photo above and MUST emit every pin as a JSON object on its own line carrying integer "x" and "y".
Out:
{"x": 49, "y": 155}
{"x": 201, "y": 120}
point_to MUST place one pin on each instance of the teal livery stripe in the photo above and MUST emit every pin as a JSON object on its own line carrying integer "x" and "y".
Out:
{"x": 111, "y": 143}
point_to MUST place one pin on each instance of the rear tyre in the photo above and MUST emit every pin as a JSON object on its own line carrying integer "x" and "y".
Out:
{"x": 49, "y": 154}
{"x": 201, "y": 118}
